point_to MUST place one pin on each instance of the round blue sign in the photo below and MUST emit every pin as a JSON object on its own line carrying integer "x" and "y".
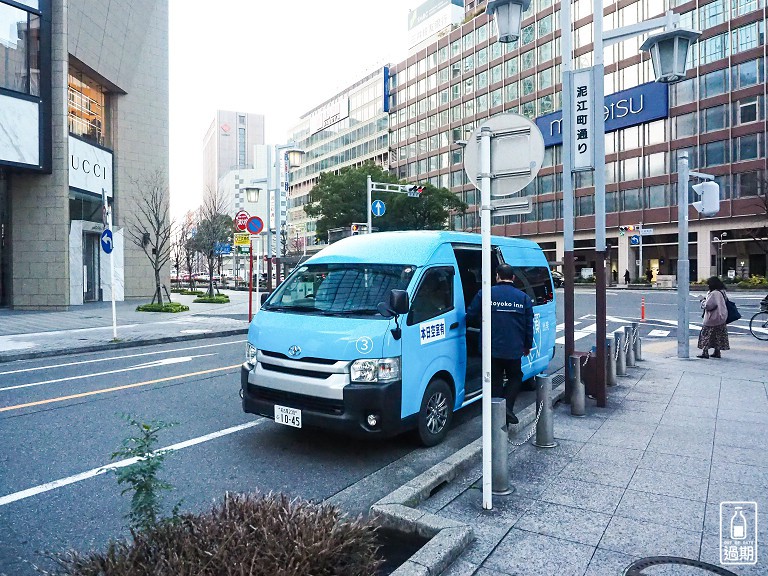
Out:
{"x": 106, "y": 241}
{"x": 378, "y": 208}
{"x": 254, "y": 225}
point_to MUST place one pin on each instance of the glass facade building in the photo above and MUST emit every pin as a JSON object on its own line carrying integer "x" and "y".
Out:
{"x": 347, "y": 130}
{"x": 717, "y": 114}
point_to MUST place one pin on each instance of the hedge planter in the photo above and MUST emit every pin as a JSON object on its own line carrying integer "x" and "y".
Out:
{"x": 167, "y": 307}
{"x": 220, "y": 299}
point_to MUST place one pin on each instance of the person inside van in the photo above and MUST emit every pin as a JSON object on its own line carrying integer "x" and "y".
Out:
{"x": 512, "y": 338}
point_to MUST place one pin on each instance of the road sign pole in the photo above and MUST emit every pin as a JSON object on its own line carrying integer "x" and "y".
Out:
{"x": 250, "y": 280}
{"x": 108, "y": 214}
{"x": 640, "y": 267}
{"x": 683, "y": 267}
{"x": 485, "y": 230}
{"x": 258, "y": 273}
{"x": 369, "y": 208}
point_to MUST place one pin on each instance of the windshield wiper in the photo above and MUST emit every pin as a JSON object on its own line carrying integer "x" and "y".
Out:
{"x": 361, "y": 311}
{"x": 291, "y": 308}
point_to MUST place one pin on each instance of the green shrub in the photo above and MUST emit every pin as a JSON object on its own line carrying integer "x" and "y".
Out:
{"x": 142, "y": 476}
{"x": 754, "y": 281}
{"x": 641, "y": 281}
{"x": 245, "y": 534}
{"x": 167, "y": 307}
{"x": 218, "y": 299}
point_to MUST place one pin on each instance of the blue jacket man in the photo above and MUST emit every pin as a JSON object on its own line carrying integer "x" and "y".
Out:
{"x": 512, "y": 336}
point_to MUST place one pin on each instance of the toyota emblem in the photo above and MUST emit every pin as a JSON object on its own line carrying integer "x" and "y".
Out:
{"x": 294, "y": 350}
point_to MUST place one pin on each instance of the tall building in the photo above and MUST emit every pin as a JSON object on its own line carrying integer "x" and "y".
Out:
{"x": 717, "y": 114}
{"x": 229, "y": 144}
{"x": 347, "y": 130}
{"x": 83, "y": 113}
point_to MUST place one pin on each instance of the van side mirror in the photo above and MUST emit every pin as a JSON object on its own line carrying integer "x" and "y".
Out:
{"x": 398, "y": 301}
{"x": 264, "y": 297}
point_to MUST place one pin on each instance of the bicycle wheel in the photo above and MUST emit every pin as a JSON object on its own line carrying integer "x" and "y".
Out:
{"x": 758, "y": 325}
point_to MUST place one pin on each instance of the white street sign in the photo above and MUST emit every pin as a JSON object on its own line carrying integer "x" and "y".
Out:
{"x": 582, "y": 112}
{"x": 517, "y": 152}
{"x": 646, "y": 231}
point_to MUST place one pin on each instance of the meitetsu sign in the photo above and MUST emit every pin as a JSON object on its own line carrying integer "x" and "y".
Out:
{"x": 631, "y": 107}
{"x": 90, "y": 167}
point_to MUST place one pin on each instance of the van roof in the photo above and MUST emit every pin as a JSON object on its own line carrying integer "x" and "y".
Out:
{"x": 409, "y": 247}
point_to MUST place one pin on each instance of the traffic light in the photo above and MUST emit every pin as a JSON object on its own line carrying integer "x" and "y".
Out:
{"x": 415, "y": 190}
{"x": 709, "y": 205}
{"x": 623, "y": 230}
{"x": 355, "y": 229}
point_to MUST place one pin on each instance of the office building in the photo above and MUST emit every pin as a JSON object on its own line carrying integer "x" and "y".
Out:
{"x": 346, "y": 130}
{"x": 83, "y": 113}
{"x": 717, "y": 114}
{"x": 229, "y": 144}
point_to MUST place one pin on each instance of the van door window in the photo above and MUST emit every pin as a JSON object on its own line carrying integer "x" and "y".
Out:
{"x": 534, "y": 281}
{"x": 434, "y": 295}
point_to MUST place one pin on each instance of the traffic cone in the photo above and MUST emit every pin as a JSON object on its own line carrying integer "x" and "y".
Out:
{"x": 642, "y": 308}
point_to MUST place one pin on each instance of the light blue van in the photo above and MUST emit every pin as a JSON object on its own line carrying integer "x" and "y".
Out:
{"x": 369, "y": 336}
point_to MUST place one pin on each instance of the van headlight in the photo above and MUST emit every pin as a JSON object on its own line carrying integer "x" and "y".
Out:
{"x": 375, "y": 370}
{"x": 250, "y": 353}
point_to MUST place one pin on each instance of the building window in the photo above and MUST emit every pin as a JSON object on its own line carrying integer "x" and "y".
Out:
{"x": 714, "y": 83}
{"x": 656, "y": 164}
{"x": 497, "y": 98}
{"x": 482, "y": 57}
{"x": 747, "y": 74}
{"x": 482, "y": 80}
{"x": 747, "y": 37}
{"x": 631, "y": 199}
{"x": 750, "y": 183}
{"x": 19, "y": 50}
{"x": 511, "y": 92}
{"x": 528, "y": 85}
{"x": 585, "y": 205}
{"x": 683, "y": 92}
{"x": 714, "y": 153}
{"x": 528, "y": 60}
{"x": 714, "y": 48}
{"x": 656, "y": 196}
{"x": 712, "y": 14}
{"x": 748, "y": 110}
{"x": 741, "y": 7}
{"x": 715, "y": 118}
{"x": 86, "y": 99}
{"x": 747, "y": 148}
{"x": 482, "y": 33}
{"x": 511, "y": 66}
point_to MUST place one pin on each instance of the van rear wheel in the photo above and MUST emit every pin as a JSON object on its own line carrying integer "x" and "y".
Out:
{"x": 436, "y": 413}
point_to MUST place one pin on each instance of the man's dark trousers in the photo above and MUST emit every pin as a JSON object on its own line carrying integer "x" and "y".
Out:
{"x": 512, "y": 369}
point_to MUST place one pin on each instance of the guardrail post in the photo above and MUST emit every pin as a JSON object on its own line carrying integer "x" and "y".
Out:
{"x": 545, "y": 432}
{"x": 628, "y": 345}
{"x": 499, "y": 448}
{"x": 621, "y": 356}
{"x": 636, "y": 347}
{"x": 610, "y": 346}
{"x": 578, "y": 394}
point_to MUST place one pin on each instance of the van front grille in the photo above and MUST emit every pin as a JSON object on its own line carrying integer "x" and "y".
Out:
{"x": 296, "y": 371}
{"x": 301, "y": 401}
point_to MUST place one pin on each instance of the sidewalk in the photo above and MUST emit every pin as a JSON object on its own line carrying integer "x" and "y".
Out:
{"x": 88, "y": 328}
{"x": 643, "y": 477}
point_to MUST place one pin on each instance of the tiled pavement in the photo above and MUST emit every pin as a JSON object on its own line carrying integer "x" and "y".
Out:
{"x": 643, "y": 477}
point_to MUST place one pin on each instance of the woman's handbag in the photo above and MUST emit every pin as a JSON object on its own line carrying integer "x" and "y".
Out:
{"x": 733, "y": 311}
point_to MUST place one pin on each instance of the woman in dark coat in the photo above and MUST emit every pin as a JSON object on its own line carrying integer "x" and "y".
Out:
{"x": 714, "y": 333}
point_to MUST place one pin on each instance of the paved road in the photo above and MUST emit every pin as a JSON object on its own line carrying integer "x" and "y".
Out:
{"x": 59, "y": 419}
{"x": 60, "y": 422}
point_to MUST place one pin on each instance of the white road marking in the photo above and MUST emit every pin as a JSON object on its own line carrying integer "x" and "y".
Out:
{"x": 561, "y": 327}
{"x": 658, "y": 333}
{"x": 34, "y": 491}
{"x": 157, "y": 363}
{"x": 111, "y": 358}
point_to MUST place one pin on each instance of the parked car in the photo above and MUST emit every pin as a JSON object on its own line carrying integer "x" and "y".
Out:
{"x": 557, "y": 279}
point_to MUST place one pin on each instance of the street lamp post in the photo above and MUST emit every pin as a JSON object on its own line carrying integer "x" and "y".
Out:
{"x": 293, "y": 159}
{"x": 669, "y": 54}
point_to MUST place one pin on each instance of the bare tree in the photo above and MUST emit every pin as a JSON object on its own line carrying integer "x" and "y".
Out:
{"x": 181, "y": 233}
{"x": 214, "y": 226}
{"x": 150, "y": 226}
{"x": 759, "y": 233}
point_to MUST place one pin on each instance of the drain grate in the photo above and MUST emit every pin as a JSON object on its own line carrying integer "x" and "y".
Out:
{"x": 637, "y": 567}
{"x": 558, "y": 379}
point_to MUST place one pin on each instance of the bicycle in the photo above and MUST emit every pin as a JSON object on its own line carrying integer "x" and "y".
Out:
{"x": 758, "y": 324}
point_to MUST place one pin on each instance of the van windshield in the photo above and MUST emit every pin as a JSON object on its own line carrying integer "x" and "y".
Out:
{"x": 339, "y": 289}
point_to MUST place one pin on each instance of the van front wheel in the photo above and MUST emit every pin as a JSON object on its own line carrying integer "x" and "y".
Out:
{"x": 436, "y": 413}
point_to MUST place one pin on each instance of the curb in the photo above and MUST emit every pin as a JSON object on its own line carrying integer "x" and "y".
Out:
{"x": 448, "y": 538}
{"x": 118, "y": 345}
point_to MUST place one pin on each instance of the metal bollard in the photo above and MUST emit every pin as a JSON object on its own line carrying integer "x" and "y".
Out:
{"x": 639, "y": 349}
{"x": 499, "y": 448}
{"x": 610, "y": 345}
{"x": 621, "y": 357}
{"x": 578, "y": 393}
{"x": 545, "y": 432}
{"x": 629, "y": 347}
{"x": 635, "y": 338}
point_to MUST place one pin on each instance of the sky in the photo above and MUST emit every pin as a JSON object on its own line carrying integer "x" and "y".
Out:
{"x": 279, "y": 58}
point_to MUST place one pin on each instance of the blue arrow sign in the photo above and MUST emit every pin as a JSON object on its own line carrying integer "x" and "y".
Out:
{"x": 378, "y": 208}
{"x": 106, "y": 241}
{"x": 634, "y": 240}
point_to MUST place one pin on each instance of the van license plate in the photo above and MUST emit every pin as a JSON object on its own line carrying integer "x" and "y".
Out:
{"x": 288, "y": 416}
